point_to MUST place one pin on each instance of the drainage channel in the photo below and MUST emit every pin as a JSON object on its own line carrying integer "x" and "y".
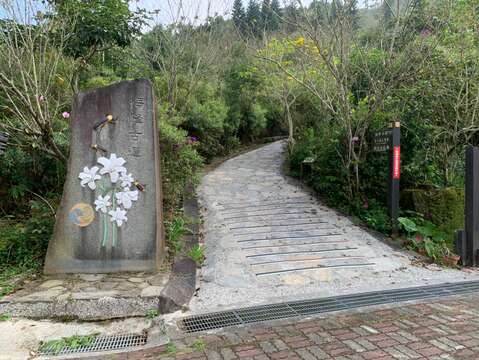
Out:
{"x": 249, "y": 315}
{"x": 99, "y": 343}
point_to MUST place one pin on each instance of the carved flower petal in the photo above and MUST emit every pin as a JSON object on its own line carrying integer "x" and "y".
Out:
{"x": 114, "y": 176}
{"x": 104, "y": 161}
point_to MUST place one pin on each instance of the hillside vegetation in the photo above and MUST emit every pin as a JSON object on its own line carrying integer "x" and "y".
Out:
{"x": 326, "y": 76}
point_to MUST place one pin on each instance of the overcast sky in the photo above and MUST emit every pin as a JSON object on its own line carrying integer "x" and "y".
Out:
{"x": 171, "y": 10}
{"x": 191, "y": 9}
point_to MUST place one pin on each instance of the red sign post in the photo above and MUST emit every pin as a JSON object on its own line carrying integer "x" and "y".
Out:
{"x": 397, "y": 162}
{"x": 394, "y": 174}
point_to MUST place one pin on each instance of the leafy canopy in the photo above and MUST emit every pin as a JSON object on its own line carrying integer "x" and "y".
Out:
{"x": 100, "y": 25}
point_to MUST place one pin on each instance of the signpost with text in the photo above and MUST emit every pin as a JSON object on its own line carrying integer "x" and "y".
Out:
{"x": 390, "y": 141}
{"x": 3, "y": 142}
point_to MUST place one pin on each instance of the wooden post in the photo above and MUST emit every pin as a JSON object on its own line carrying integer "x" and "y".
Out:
{"x": 472, "y": 205}
{"x": 460, "y": 245}
{"x": 394, "y": 175}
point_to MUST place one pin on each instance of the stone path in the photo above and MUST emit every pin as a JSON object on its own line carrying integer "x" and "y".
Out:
{"x": 86, "y": 296}
{"x": 267, "y": 240}
{"x": 438, "y": 329}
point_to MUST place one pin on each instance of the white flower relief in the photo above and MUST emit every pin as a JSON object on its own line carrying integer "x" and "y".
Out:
{"x": 89, "y": 176}
{"x": 114, "y": 197}
{"x": 113, "y": 166}
{"x": 118, "y": 215}
{"x": 126, "y": 180}
{"x": 102, "y": 203}
{"x": 126, "y": 198}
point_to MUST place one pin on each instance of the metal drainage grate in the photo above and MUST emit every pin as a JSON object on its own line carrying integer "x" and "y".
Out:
{"x": 100, "y": 343}
{"x": 291, "y": 309}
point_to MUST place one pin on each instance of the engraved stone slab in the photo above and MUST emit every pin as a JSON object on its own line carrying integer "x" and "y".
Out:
{"x": 109, "y": 219}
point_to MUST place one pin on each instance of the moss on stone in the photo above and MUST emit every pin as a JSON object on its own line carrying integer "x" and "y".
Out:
{"x": 444, "y": 207}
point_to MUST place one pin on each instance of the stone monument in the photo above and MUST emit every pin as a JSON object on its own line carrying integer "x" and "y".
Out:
{"x": 109, "y": 219}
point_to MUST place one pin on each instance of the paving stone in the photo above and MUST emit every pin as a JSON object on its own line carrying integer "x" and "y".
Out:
{"x": 452, "y": 344}
{"x": 405, "y": 350}
{"x": 267, "y": 347}
{"x": 354, "y": 345}
{"x": 213, "y": 355}
{"x": 151, "y": 291}
{"x": 441, "y": 345}
{"x": 399, "y": 339}
{"x": 305, "y": 354}
{"x": 52, "y": 283}
{"x": 85, "y": 295}
{"x": 318, "y": 352}
{"x": 366, "y": 344}
{"x": 91, "y": 277}
{"x": 47, "y": 295}
{"x": 261, "y": 357}
{"x": 396, "y": 353}
{"x": 228, "y": 354}
{"x": 107, "y": 285}
{"x": 280, "y": 344}
{"x": 158, "y": 279}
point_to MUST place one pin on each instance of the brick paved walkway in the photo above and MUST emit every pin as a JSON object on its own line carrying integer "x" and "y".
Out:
{"x": 440, "y": 329}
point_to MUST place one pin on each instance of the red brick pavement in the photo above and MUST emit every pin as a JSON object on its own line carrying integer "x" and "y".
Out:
{"x": 445, "y": 328}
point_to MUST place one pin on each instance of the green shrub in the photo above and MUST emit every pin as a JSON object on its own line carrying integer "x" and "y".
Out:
{"x": 72, "y": 342}
{"x": 152, "y": 313}
{"x": 24, "y": 175}
{"x": 424, "y": 236}
{"x": 443, "y": 207}
{"x": 377, "y": 218}
{"x": 25, "y": 243}
{"x": 175, "y": 229}
{"x": 206, "y": 122}
{"x": 180, "y": 163}
{"x": 199, "y": 345}
{"x": 99, "y": 81}
{"x": 196, "y": 254}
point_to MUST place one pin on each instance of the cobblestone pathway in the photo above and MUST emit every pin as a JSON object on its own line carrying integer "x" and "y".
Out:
{"x": 439, "y": 329}
{"x": 267, "y": 240}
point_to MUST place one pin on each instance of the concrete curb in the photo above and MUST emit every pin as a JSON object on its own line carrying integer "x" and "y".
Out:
{"x": 182, "y": 282}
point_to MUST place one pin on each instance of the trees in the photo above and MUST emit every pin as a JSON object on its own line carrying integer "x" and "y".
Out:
{"x": 258, "y": 19}
{"x": 352, "y": 13}
{"x": 266, "y": 15}
{"x": 276, "y": 15}
{"x": 253, "y": 18}
{"x": 34, "y": 78}
{"x": 239, "y": 16}
{"x": 352, "y": 80}
{"x": 270, "y": 14}
{"x": 417, "y": 20}
{"x": 99, "y": 25}
{"x": 388, "y": 14}
{"x": 291, "y": 16}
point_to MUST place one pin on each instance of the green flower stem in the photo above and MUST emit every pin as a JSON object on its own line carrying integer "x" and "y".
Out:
{"x": 104, "y": 218}
{"x": 115, "y": 227}
{"x": 105, "y": 229}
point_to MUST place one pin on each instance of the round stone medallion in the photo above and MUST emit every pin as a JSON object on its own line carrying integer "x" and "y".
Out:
{"x": 81, "y": 214}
